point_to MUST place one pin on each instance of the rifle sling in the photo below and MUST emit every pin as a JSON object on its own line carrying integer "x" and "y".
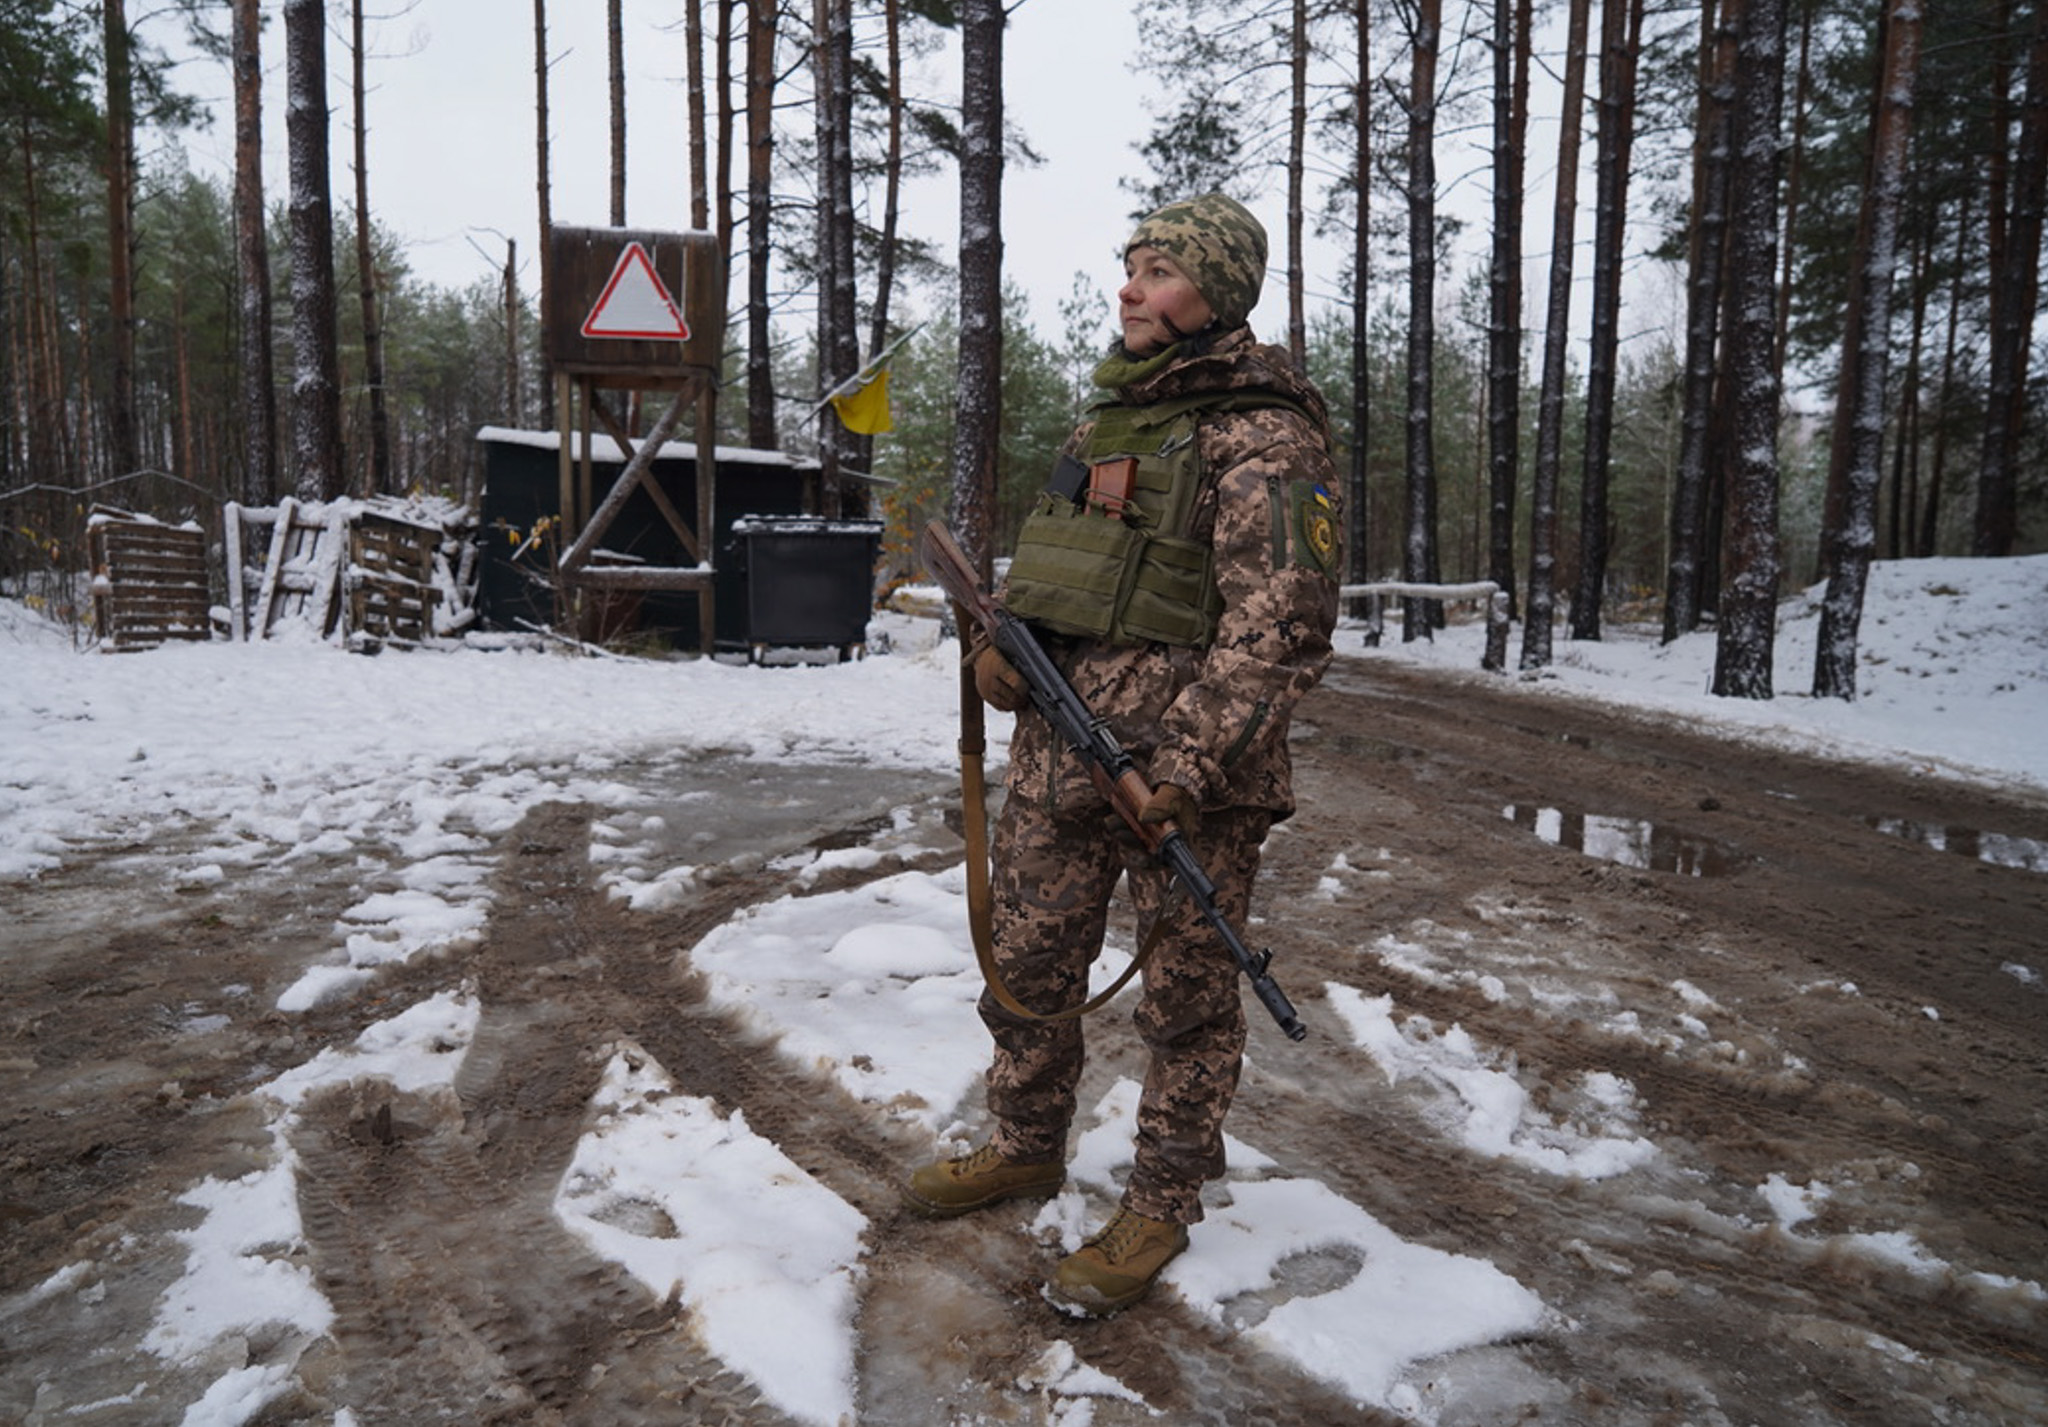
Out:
{"x": 974, "y": 820}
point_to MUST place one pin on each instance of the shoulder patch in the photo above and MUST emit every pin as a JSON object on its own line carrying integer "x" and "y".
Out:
{"x": 1318, "y": 528}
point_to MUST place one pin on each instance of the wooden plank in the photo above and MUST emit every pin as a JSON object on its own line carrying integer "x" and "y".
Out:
{"x": 273, "y": 568}
{"x": 649, "y": 577}
{"x": 231, "y": 542}
{"x": 149, "y": 581}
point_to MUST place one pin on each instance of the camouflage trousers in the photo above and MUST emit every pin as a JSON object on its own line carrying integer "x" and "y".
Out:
{"x": 1052, "y": 881}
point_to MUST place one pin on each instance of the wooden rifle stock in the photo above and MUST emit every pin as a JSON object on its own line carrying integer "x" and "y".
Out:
{"x": 1114, "y": 771}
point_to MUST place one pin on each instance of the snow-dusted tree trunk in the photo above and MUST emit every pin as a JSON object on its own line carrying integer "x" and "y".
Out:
{"x": 1550, "y": 398}
{"x": 892, "y": 176}
{"x": 1704, "y": 269}
{"x": 1749, "y": 593}
{"x": 1511, "y": 25}
{"x": 1621, "y": 42}
{"x": 838, "y": 332}
{"x": 1419, "y": 553}
{"x": 979, "y": 411}
{"x": 316, "y": 381}
{"x": 1858, "y": 450}
{"x": 1705, "y": 273}
{"x": 252, "y": 262}
{"x": 1792, "y": 199}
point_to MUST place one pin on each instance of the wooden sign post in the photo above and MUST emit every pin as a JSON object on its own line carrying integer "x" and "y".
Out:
{"x": 635, "y": 311}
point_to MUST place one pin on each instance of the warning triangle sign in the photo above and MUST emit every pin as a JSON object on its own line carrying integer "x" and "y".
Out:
{"x": 635, "y": 305}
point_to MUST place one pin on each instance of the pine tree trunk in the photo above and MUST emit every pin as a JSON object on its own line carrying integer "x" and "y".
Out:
{"x": 1358, "y": 528}
{"x": 366, "y": 278}
{"x": 1795, "y": 170}
{"x": 1858, "y": 445}
{"x": 543, "y": 182}
{"x": 1297, "y": 142}
{"x": 1556, "y": 334}
{"x": 1944, "y": 396}
{"x": 761, "y": 21}
{"x": 727, "y": 123}
{"x": 1511, "y": 40}
{"x": 892, "y": 178}
{"x": 1419, "y": 554}
{"x": 316, "y": 383}
{"x": 979, "y": 411}
{"x": 1621, "y": 37}
{"x": 47, "y": 424}
{"x": 2015, "y": 292}
{"x": 1705, "y": 273}
{"x": 1901, "y": 535}
{"x": 838, "y": 332}
{"x": 252, "y": 264}
{"x": 122, "y": 453}
{"x": 615, "y": 50}
{"x": 510, "y": 296}
{"x": 700, "y": 190}
{"x": 1749, "y": 593}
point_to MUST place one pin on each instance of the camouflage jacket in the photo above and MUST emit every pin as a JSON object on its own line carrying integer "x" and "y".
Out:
{"x": 1215, "y": 720}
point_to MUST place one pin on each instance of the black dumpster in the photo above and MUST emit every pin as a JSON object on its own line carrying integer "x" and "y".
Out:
{"x": 810, "y": 582}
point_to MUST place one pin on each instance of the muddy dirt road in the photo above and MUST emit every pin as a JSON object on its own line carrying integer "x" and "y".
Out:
{"x": 1821, "y": 985}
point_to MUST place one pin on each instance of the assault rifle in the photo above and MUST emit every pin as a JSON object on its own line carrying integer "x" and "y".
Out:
{"x": 1113, "y": 770}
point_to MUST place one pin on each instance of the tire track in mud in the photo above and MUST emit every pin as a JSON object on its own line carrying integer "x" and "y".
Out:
{"x": 409, "y": 1203}
{"x": 459, "y": 1295}
{"x": 951, "y": 1313}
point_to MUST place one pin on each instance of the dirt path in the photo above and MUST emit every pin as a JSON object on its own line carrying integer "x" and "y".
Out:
{"x": 1832, "y": 1032}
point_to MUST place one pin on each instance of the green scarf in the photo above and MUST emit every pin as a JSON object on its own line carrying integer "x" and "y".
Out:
{"x": 1120, "y": 369}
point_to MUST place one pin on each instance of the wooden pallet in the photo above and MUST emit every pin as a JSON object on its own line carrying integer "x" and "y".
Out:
{"x": 301, "y": 571}
{"x": 363, "y": 574}
{"x": 391, "y": 589}
{"x": 149, "y": 583}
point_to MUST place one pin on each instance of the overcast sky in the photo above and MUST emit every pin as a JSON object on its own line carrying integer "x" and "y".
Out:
{"x": 452, "y": 133}
{"x": 452, "y": 141}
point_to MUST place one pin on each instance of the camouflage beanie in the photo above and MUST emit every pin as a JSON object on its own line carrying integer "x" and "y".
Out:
{"x": 1220, "y": 246}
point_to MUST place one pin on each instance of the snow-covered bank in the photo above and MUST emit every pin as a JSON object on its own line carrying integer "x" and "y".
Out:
{"x": 1952, "y": 673}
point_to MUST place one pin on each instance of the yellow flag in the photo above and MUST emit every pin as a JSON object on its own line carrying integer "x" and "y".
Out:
{"x": 865, "y": 409}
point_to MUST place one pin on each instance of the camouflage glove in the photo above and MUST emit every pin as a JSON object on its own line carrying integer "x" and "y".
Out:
{"x": 997, "y": 681}
{"x": 1171, "y": 803}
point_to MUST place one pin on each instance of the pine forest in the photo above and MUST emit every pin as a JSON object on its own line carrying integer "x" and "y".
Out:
{"x": 1749, "y": 299}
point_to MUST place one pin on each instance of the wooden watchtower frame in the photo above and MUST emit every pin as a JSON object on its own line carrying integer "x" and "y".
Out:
{"x": 633, "y": 311}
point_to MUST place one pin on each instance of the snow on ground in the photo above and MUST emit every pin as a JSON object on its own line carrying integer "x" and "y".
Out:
{"x": 234, "y": 757}
{"x": 1952, "y": 672}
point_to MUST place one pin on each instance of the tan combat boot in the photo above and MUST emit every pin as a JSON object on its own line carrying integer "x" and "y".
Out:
{"x": 1115, "y": 1269}
{"x": 957, "y": 1186}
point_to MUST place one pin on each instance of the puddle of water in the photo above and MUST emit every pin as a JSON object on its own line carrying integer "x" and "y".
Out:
{"x": 1630, "y": 842}
{"x": 1995, "y": 848}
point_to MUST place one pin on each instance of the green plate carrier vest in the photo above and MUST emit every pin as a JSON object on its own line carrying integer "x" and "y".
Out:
{"x": 1139, "y": 578}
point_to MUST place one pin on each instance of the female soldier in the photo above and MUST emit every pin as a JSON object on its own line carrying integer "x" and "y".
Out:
{"x": 1181, "y": 571}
